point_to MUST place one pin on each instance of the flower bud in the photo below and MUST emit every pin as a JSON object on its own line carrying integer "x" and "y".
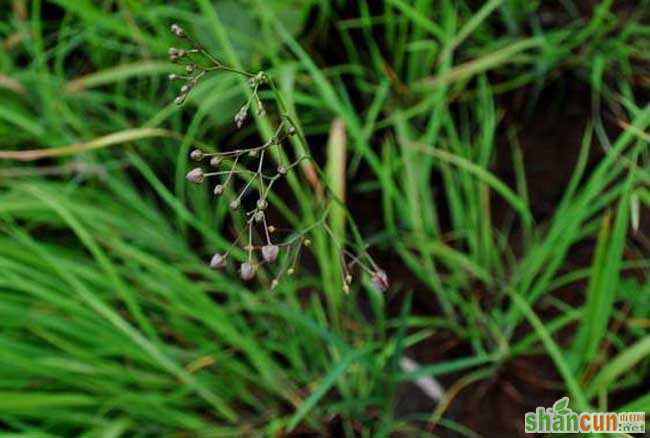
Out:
{"x": 241, "y": 116}
{"x": 218, "y": 189}
{"x": 247, "y": 271}
{"x": 177, "y": 30}
{"x": 282, "y": 170}
{"x": 380, "y": 280}
{"x": 172, "y": 77}
{"x": 218, "y": 261}
{"x": 195, "y": 175}
{"x": 197, "y": 155}
{"x": 215, "y": 161}
{"x": 262, "y": 204}
{"x": 259, "y": 216}
{"x": 175, "y": 53}
{"x": 270, "y": 253}
{"x": 234, "y": 204}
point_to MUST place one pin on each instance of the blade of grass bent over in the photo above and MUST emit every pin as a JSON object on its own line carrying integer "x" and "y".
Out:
{"x": 325, "y": 385}
{"x": 98, "y": 143}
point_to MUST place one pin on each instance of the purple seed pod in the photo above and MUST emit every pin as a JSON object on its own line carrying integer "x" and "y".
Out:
{"x": 247, "y": 271}
{"x": 175, "y": 54}
{"x": 197, "y": 155}
{"x": 380, "y": 280}
{"x": 177, "y": 30}
{"x": 218, "y": 261}
{"x": 270, "y": 253}
{"x": 195, "y": 175}
{"x": 241, "y": 116}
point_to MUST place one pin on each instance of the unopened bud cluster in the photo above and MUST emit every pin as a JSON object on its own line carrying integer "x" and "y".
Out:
{"x": 193, "y": 59}
{"x": 227, "y": 167}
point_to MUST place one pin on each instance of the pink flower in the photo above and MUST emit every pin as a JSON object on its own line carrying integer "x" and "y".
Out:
{"x": 270, "y": 253}
{"x": 380, "y": 280}
{"x": 195, "y": 175}
{"x": 218, "y": 261}
{"x": 247, "y": 271}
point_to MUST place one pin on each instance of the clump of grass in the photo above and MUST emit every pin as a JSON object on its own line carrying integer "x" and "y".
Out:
{"x": 113, "y": 324}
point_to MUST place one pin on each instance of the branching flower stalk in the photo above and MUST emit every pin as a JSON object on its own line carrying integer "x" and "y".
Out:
{"x": 250, "y": 164}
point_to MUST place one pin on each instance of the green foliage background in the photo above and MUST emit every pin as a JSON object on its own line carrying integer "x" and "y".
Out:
{"x": 112, "y": 324}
